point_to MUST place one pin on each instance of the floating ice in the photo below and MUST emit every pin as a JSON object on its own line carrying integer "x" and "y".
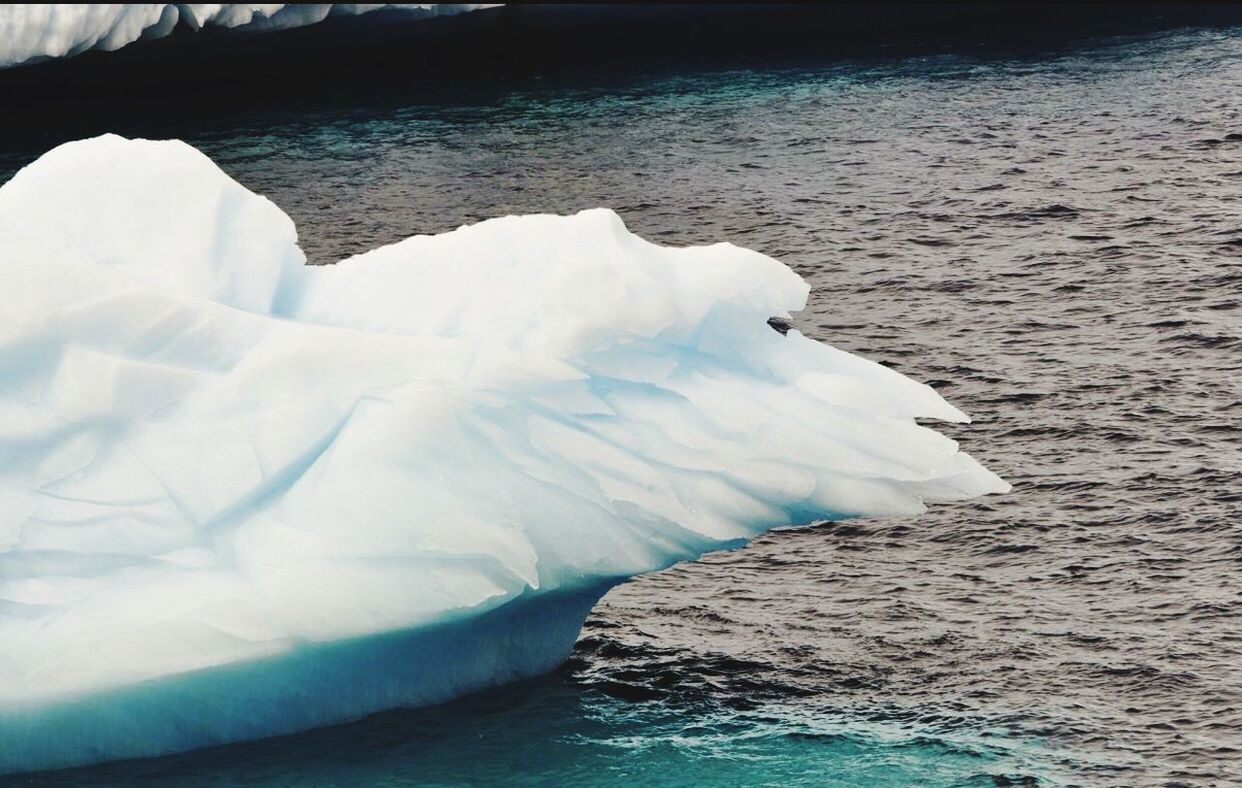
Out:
{"x": 241, "y": 496}
{"x": 31, "y": 32}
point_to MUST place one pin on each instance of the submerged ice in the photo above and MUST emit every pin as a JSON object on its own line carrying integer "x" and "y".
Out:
{"x": 242, "y": 496}
{"x": 33, "y": 32}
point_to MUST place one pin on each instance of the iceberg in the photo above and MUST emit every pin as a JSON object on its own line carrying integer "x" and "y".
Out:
{"x": 30, "y": 32}
{"x": 243, "y": 496}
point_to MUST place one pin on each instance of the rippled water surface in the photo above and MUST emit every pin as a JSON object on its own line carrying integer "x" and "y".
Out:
{"x": 1052, "y": 239}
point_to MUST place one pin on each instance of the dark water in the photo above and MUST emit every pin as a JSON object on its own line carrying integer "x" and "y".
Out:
{"x": 1052, "y": 239}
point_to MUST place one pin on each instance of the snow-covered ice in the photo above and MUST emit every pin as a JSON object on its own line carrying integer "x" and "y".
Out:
{"x": 33, "y": 32}
{"x": 242, "y": 496}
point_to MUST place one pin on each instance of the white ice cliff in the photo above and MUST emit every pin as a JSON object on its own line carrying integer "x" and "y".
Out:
{"x": 241, "y": 496}
{"x": 32, "y": 32}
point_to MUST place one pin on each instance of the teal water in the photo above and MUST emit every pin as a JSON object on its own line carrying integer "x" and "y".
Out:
{"x": 553, "y": 731}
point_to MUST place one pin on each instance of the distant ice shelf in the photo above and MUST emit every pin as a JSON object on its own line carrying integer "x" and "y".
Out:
{"x": 30, "y": 32}
{"x": 242, "y": 496}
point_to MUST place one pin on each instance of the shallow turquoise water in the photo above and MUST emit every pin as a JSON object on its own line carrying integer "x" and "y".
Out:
{"x": 556, "y": 731}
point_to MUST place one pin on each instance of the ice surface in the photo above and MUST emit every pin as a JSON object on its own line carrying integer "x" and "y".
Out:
{"x": 31, "y": 32}
{"x": 242, "y": 496}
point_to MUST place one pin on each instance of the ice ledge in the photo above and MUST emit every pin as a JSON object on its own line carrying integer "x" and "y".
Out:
{"x": 31, "y": 32}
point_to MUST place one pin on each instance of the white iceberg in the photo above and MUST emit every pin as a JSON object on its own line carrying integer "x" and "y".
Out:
{"x": 30, "y": 32}
{"x": 241, "y": 496}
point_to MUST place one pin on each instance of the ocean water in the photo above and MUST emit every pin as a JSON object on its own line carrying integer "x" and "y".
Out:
{"x": 1051, "y": 236}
